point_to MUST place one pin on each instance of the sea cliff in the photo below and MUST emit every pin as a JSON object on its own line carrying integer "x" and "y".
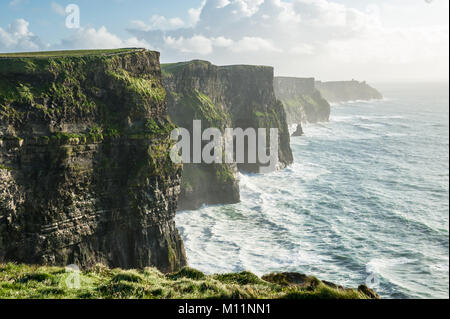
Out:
{"x": 85, "y": 175}
{"x": 344, "y": 91}
{"x": 100, "y": 282}
{"x": 222, "y": 97}
{"x": 301, "y": 100}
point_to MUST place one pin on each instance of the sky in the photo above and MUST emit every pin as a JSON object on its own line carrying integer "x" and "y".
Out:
{"x": 372, "y": 40}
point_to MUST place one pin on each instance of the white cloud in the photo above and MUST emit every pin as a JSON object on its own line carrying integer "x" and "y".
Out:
{"x": 57, "y": 8}
{"x": 222, "y": 42}
{"x": 202, "y": 45}
{"x": 197, "y": 44}
{"x": 393, "y": 46}
{"x": 14, "y": 3}
{"x": 302, "y": 49}
{"x": 254, "y": 44}
{"x": 91, "y": 38}
{"x": 194, "y": 13}
{"x": 17, "y": 37}
{"x": 157, "y": 22}
{"x": 321, "y": 38}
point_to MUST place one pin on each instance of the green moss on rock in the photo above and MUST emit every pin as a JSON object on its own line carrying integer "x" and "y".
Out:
{"x": 301, "y": 100}
{"x": 89, "y": 135}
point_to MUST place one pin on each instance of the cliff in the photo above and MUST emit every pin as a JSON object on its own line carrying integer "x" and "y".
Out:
{"x": 344, "y": 91}
{"x": 85, "y": 172}
{"x": 301, "y": 100}
{"x": 222, "y": 97}
{"x": 194, "y": 92}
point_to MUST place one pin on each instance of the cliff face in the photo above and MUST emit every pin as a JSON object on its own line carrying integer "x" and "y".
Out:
{"x": 301, "y": 100}
{"x": 85, "y": 175}
{"x": 194, "y": 92}
{"x": 222, "y": 97}
{"x": 252, "y": 103}
{"x": 344, "y": 91}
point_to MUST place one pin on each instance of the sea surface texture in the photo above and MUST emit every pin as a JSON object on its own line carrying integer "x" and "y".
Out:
{"x": 367, "y": 200}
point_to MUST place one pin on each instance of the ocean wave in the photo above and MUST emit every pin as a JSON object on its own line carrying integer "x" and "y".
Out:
{"x": 371, "y": 102}
{"x": 367, "y": 193}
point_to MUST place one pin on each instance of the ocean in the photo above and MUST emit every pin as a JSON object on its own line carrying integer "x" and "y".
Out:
{"x": 366, "y": 201}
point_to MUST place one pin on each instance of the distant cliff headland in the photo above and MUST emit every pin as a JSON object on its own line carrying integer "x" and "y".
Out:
{"x": 301, "y": 100}
{"x": 344, "y": 91}
{"x": 86, "y": 175}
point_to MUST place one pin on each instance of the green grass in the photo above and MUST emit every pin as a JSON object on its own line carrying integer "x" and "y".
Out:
{"x": 71, "y": 53}
{"x": 42, "y": 282}
{"x": 172, "y": 68}
{"x": 150, "y": 88}
{"x": 5, "y": 167}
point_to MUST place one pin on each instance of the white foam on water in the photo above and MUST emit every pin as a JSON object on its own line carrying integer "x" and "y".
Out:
{"x": 354, "y": 203}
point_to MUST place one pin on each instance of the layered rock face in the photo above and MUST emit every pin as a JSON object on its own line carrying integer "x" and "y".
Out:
{"x": 222, "y": 97}
{"x": 301, "y": 100}
{"x": 85, "y": 172}
{"x": 344, "y": 91}
{"x": 252, "y": 103}
{"x": 194, "y": 92}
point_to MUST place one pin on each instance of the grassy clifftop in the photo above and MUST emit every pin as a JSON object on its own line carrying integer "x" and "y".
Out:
{"x": 301, "y": 100}
{"x": 69, "y": 53}
{"x": 26, "y": 282}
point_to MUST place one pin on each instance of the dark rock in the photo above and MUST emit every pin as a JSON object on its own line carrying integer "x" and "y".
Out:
{"x": 368, "y": 292}
{"x": 292, "y": 279}
{"x": 299, "y": 131}
{"x": 311, "y": 283}
{"x": 89, "y": 181}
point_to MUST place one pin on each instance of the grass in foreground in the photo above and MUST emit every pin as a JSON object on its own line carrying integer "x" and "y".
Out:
{"x": 35, "y": 282}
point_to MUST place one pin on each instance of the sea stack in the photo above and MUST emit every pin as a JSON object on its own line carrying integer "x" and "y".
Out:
{"x": 299, "y": 131}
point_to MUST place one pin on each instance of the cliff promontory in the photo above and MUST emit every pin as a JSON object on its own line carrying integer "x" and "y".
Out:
{"x": 222, "y": 97}
{"x": 85, "y": 172}
{"x": 301, "y": 100}
{"x": 344, "y": 91}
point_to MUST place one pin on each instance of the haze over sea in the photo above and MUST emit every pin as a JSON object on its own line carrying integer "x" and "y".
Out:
{"x": 367, "y": 198}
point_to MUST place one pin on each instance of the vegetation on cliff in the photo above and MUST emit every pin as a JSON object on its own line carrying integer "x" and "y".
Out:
{"x": 69, "y": 53}
{"x": 32, "y": 282}
{"x": 301, "y": 100}
{"x": 344, "y": 91}
{"x": 192, "y": 94}
{"x": 238, "y": 96}
{"x": 85, "y": 136}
